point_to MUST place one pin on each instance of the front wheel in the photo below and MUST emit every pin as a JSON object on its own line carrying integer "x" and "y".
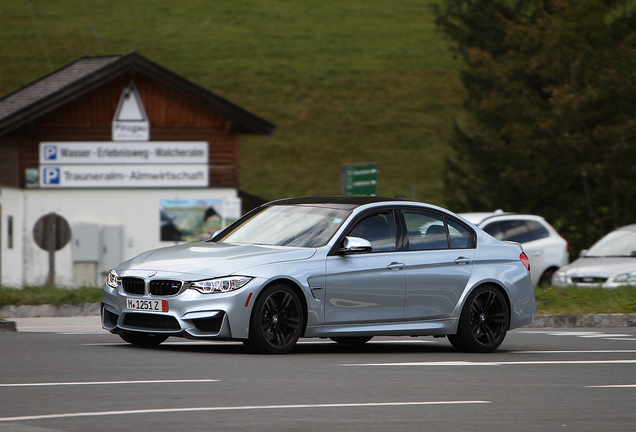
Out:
{"x": 277, "y": 320}
{"x": 145, "y": 339}
{"x": 483, "y": 323}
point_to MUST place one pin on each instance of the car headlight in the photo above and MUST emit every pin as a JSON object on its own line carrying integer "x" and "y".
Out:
{"x": 220, "y": 285}
{"x": 560, "y": 278}
{"x": 626, "y": 278}
{"x": 113, "y": 280}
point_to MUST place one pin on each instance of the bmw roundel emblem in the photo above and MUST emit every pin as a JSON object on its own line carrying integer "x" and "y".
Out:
{"x": 151, "y": 274}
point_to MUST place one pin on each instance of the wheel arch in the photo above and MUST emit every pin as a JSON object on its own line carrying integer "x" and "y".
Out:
{"x": 547, "y": 272}
{"x": 498, "y": 287}
{"x": 296, "y": 288}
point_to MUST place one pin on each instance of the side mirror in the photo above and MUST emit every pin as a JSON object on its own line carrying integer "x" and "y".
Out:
{"x": 583, "y": 253}
{"x": 213, "y": 235}
{"x": 355, "y": 245}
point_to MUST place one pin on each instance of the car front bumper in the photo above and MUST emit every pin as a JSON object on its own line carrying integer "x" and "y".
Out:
{"x": 189, "y": 314}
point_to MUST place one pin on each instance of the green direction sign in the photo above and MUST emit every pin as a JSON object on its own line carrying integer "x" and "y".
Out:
{"x": 360, "y": 179}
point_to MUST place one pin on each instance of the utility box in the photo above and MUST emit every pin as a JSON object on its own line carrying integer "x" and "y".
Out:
{"x": 86, "y": 242}
{"x": 112, "y": 244}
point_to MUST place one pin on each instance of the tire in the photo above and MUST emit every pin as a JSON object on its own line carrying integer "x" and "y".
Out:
{"x": 145, "y": 339}
{"x": 546, "y": 277}
{"x": 483, "y": 323}
{"x": 277, "y": 321}
{"x": 352, "y": 340}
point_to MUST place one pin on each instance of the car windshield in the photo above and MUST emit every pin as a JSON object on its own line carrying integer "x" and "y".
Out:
{"x": 620, "y": 243}
{"x": 297, "y": 225}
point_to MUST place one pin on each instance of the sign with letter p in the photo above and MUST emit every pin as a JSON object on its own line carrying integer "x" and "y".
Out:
{"x": 49, "y": 152}
{"x": 50, "y": 176}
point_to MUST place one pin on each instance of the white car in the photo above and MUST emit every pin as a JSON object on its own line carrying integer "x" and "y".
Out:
{"x": 546, "y": 249}
{"x": 609, "y": 263}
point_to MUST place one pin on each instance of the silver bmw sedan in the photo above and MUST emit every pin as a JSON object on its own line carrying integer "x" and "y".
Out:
{"x": 342, "y": 267}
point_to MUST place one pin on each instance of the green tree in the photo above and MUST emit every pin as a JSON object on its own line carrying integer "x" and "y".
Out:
{"x": 550, "y": 86}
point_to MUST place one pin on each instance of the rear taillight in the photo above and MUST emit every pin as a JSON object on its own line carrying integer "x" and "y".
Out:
{"x": 524, "y": 259}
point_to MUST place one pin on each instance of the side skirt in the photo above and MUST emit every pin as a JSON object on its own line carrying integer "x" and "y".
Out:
{"x": 404, "y": 328}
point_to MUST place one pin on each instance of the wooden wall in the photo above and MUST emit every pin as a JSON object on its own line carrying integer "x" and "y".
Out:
{"x": 172, "y": 117}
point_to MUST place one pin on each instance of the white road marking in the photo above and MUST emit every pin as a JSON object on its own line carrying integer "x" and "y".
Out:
{"x": 234, "y": 408}
{"x": 106, "y": 382}
{"x": 614, "y": 386}
{"x": 512, "y": 363}
{"x": 583, "y": 334}
{"x": 575, "y": 352}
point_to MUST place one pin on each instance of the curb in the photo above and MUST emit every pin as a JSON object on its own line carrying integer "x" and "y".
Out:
{"x": 593, "y": 320}
{"x": 8, "y": 326}
{"x": 49, "y": 311}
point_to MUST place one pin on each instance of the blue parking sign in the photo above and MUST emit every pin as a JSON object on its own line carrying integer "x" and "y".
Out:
{"x": 50, "y": 152}
{"x": 51, "y": 176}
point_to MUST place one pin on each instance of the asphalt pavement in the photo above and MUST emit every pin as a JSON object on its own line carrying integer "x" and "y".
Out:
{"x": 61, "y": 374}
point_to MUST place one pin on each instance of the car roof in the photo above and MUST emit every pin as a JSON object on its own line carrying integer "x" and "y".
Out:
{"x": 479, "y": 218}
{"x": 343, "y": 201}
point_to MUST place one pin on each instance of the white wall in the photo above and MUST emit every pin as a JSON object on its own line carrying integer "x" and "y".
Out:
{"x": 137, "y": 210}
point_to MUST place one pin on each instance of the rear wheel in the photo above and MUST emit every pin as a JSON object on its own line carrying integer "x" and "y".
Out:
{"x": 146, "y": 339}
{"x": 277, "y": 320}
{"x": 483, "y": 323}
{"x": 352, "y": 340}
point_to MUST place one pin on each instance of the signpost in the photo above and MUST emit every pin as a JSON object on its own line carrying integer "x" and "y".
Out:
{"x": 359, "y": 179}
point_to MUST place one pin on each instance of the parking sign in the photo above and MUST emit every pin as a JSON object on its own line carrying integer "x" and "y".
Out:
{"x": 49, "y": 152}
{"x": 51, "y": 176}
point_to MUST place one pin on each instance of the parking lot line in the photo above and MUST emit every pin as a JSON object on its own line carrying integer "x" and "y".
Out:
{"x": 237, "y": 408}
{"x": 575, "y": 352}
{"x": 107, "y": 382}
{"x": 503, "y": 363}
{"x": 614, "y": 386}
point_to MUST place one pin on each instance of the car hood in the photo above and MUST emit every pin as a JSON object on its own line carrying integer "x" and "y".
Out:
{"x": 197, "y": 260}
{"x": 599, "y": 267}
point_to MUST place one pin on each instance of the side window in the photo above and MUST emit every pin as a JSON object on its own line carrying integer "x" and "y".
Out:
{"x": 495, "y": 229}
{"x": 510, "y": 230}
{"x": 537, "y": 231}
{"x": 379, "y": 229}
{"x": 460, "y": 236}
{"x": 426, "y": 230}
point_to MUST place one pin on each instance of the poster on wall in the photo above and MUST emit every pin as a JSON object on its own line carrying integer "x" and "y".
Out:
{"x": 188, "y": 220}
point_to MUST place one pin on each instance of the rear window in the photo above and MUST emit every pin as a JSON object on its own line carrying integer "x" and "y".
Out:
{"x": 519, "y": 231}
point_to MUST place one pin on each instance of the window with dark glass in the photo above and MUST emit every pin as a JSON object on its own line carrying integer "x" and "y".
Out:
{"x": 426, "y": 230}
{"x": 509, "y": 230}
{"x": 460, "y": 236}
{"x": 379, "y": 229}
{"x": 537, "y": 231}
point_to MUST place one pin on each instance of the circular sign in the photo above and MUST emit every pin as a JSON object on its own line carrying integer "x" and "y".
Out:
{"x": 51, "y": 232}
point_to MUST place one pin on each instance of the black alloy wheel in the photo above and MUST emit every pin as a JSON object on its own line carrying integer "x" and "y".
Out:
{"x": 277, "y": 320}
{"x": 146, "y": 339}
{"x": 483, "y": 323}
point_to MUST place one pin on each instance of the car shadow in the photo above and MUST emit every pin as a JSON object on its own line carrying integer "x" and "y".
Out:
{"x": 308, "y": 347}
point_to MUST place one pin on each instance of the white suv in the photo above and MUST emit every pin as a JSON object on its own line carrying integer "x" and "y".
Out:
{"x": 546, "y": 249}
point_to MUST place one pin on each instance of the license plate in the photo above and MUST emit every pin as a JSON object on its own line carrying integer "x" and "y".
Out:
{"x": 147, "y": 305}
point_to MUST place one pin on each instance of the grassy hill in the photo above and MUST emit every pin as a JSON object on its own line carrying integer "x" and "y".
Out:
{"x": 345, "y": 82}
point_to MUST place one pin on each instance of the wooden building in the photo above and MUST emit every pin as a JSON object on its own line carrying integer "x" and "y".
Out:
{"x": 129, "y": 106}
{"x": 78, "y": 102}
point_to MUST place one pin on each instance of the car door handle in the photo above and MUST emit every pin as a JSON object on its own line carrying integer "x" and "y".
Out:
{"x": 396, "y": 266}
{"x": 463, "y": 260}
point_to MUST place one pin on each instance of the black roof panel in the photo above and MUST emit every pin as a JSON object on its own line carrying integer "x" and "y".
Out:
{"x": 351, "y": 201}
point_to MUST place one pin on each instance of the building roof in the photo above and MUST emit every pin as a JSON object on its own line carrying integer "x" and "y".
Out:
{"x": 87, "y": 73}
